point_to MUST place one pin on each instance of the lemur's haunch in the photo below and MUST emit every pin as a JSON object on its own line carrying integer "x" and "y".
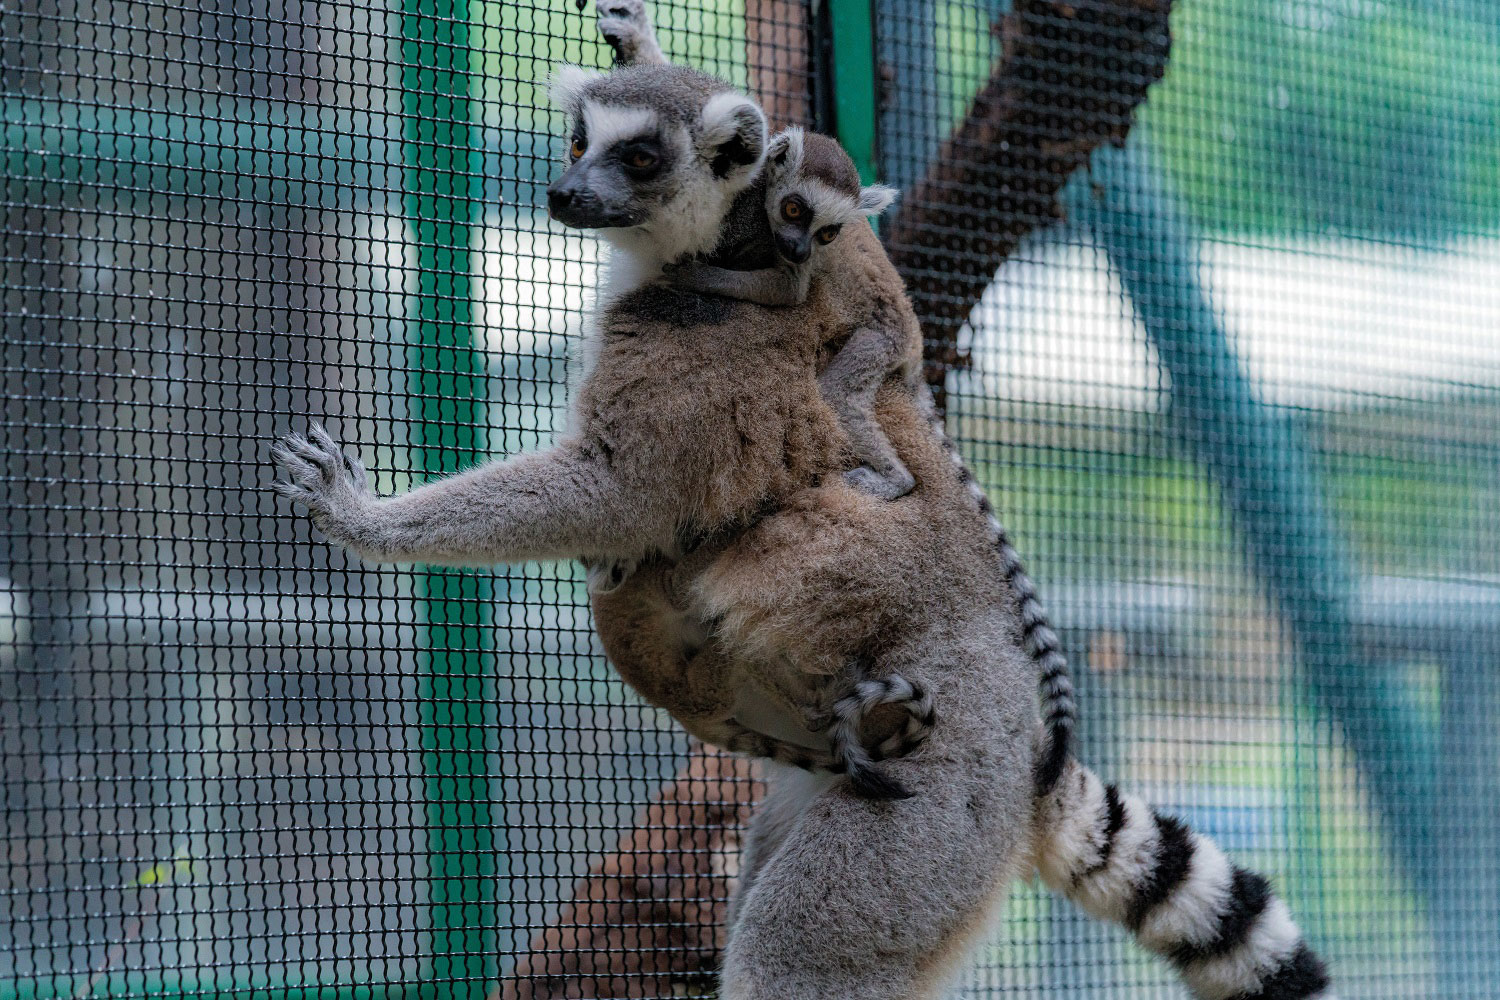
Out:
{"x": 700, "y": 419}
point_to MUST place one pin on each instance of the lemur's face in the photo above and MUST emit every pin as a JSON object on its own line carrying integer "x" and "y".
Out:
{"x": 812, "y": 192}
{"x": 623, "y": 164}
{"x": 661, "y": 149}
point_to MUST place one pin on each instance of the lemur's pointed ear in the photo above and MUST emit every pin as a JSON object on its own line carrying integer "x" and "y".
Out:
{"x": 732, "y": 136}
{"x": 786, "y": 149}
{"x": 876, "y": 198}
{"x": 568, "y": 82}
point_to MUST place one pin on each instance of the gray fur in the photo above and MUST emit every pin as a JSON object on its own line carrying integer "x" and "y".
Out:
{"x": 1059, "y": 709}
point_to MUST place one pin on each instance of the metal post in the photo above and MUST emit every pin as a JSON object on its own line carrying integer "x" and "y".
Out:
{"x": 443, "y": 186}
{"x": 851, "y": 26}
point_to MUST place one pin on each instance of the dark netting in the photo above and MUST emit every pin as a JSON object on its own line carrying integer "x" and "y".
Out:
{"x": 1239, "y": 407}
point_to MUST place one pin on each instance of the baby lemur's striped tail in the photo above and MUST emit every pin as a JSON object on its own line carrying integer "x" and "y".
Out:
{"x": 849, "y": 712}
{"x": 842, "y": 724}
{"x": 1221, "y": 926}
{"x": 1059, "y": 710}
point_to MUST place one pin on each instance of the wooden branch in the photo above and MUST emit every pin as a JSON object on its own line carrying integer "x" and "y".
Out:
{"x": 1070, "y": 78}
{"x": 778, "y": 49}
{"x": 652, "y": 913}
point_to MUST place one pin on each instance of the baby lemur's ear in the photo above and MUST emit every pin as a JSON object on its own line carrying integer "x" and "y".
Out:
{"x": 876, "y": 198}
{"x": 785, "y": 153}
{"x": 732, "y": 136}
{"x": 567, "y": 86}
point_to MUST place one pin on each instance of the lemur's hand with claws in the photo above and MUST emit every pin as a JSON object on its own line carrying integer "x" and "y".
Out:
{"x": 627, "y": 28}
{"x": 326, "y": 480}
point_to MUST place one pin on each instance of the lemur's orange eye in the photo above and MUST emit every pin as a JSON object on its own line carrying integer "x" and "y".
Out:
{"x": 792, "y": 209}
{"x": 578, "y": 148}
{"x": 828, "y": 234}
{"x": 641, "y": 160}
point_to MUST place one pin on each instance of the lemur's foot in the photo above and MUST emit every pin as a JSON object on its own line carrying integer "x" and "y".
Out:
{"x": 625, "y": 26}
{"x": 607, "y": 577}
{"x": 322, "y": 477}
{"x": 892, "y": 485}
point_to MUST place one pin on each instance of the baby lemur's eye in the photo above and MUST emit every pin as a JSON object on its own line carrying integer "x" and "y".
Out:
{"x": 793, "y": 209}
{"x": 828, "y": 234}
{"x": 641, "y": 160}
{"x": 578, "y": 148}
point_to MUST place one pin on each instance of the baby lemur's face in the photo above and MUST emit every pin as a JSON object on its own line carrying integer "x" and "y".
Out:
{"x": 656, "y": 149}
{"x": 812, "y": 192}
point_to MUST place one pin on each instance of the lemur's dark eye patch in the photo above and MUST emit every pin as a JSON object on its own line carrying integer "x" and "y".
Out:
{"x": 794, "y": 209}
{"x": 828, "y": 234}
{"x": 641, "y": 158}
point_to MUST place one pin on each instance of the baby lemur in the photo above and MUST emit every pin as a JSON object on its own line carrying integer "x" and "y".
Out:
{"x": 699, "y": 438}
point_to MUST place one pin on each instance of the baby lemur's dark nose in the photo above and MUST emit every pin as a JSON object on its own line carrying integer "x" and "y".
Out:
{"x": 794, "y": 249}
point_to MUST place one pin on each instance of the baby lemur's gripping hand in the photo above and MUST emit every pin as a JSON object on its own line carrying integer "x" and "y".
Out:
{"x": 767, "y": 286}
{"x": 325, "y": 479}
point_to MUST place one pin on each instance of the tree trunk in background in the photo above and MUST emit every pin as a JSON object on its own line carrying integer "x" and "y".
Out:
{"x": 1070, "y": 78}
{"x": 779, "y": 55}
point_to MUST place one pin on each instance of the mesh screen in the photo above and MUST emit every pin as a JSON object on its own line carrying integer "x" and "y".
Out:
{"x": 1240, "y": 411}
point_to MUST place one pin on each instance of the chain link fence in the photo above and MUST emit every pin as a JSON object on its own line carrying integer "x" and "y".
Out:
{"x": 1240, "y": 405}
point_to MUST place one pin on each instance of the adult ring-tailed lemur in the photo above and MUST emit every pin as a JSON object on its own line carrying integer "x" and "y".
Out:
{"x": 700, "y": 417}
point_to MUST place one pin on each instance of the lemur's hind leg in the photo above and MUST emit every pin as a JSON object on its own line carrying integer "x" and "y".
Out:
{"x": 626, "y": 26}
{"x": 849, "y": 385}
{"x": 871, "y": 900}
{"x": 787, "y": 794}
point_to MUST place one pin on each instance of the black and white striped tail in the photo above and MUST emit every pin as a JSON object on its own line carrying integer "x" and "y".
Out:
{"x": 843, "y": 726}
{"x": 1220, "y": 926}
{"x": 1059, "y": 710}
{"x": 849, "y": 713}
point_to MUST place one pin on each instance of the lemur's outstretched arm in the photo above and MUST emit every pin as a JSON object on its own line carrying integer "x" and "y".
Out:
{"x": 554, "y": 504}
{"x": 627, "y": 28}
{"x": 849, "y": 384}
{"x": 769, "y": 286}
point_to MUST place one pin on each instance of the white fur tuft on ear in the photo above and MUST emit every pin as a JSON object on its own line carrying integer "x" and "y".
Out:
{"x": 785, "y": 151}
{"x": 567, "y": 85}
{"x": 876, "y": 198}
{"x": 732, "y": 134}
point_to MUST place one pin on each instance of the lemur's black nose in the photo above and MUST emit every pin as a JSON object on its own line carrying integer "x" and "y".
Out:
{"x": 560, "y": 198}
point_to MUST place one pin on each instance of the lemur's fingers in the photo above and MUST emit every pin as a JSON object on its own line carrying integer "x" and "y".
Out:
{"x": 882, "y": 487}
{"x": 290, "y": 491}
{"x": 319, "y": 436}
{"x": 328, "y": 465}
{"x": 631, "y": 11}
{"x": 341, "y": 463}
{"x": 301, "y": 471}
